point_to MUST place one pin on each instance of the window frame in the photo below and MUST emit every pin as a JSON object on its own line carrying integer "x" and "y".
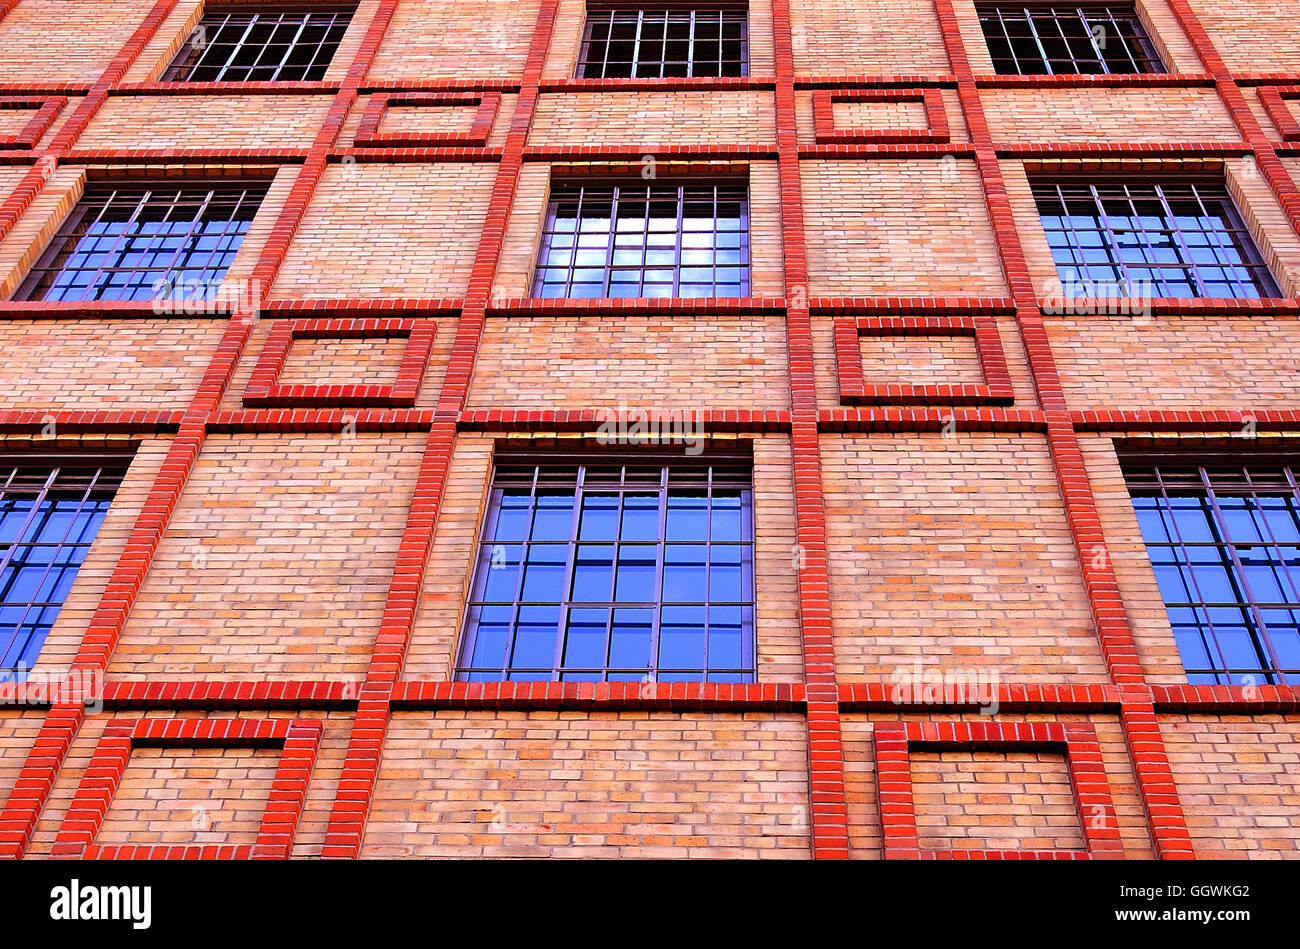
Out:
{"x": 1203, "y": 186}
{"x": 101, "y": 488}
{"x": 736, "y": 465}
{"x": 1138, "y": 466}
{"x": 727, "y": 14}
{"x": 178, "y": 70}
{"x": 1078, "y": 10}
{"x": 564, "y": 185}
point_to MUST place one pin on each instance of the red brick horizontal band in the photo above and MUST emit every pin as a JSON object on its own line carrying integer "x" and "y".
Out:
{"x": 78, "y": 310}
{"x": 252, "y": 421}
{"x": 368, "y": 134}
{"x": 170, "y": 852}
{"x": 827, "y": 133}
{"x": 1082, "y": 755}
{"x": 419, "y": 156}
{"x": 668, "y": 84}
{"x": 1227, "y": 699}
{"x": 879, "y": 149}
{"x": 629, "y": 306}
{"x": 47, "y": 110}
{"x": 1031, "y": 697}
{"x": 54, "y": 89}
{"x": 264, "y": 388}
{"x": 957, "y": 419}
{"x": 587, "y": 420}
{"x": 901, "y": 306}
{"x": 215, "y": 694}
{"x": 588, "y": 153}
{"x": 996, "y": 389}
{"x": 149, "y": 156}
{"x": 354, "y": 307}
{"x": 1274, "y": 100}
{"x": 298, "y": 739}
{"x": 371, "y": 85}
{"x": 1121, "y": 150}
{"x": 126, "y": 422}
{"x": 1085, "y": 81}
{"x": 246, "y": 88}
{"x": 658, "y": 696}
{"x": 1266, "y": 78}
{"x": 850, "y": 81}
{"x": 1169, "y": 420}
{"x": 1076, "y": 307}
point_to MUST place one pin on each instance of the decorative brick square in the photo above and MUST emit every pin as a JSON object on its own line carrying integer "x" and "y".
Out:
{"x": 297, "y": 739}
{"x": 47, "y": 110}
{"x": 936, "y": 119}
{"x": 1078, "y": 742}
{"x": 854, "y": 388}
{"x": 264, "y": 388}
{"x": 1275, "y": 101}
{"x": 369, "y": 136}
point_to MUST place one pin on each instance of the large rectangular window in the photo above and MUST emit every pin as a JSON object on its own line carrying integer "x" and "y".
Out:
{"x": 145, "y": 242}
{"x": 656, "y": 42}
{"x": 592, "y": 571}
{"x": 50, "y": 511}
{"x": 249, "y": 44}
{"x": 1159, "y": 239}
{"x": 1067, "y": 38}
{"x": 1223, "y": 535}
{"x": 639, "y": 240}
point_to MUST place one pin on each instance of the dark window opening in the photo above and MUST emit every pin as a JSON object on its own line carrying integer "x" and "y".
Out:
{"x": 240, "y": 44}
{"x": 1065, "y": 39}
{"x": 657, "y": 43}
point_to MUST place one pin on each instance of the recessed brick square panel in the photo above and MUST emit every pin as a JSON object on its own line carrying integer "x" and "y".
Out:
{"x": 268, "y": 387}
{"x": 296, "y": 739}
{"x": 1278, "y": 103}
{"x": 905, "y": 806}
{"x": 830, "y": 132}
{"x": 902, "y": 388}
{"x": 43, "y": 111}
{"x": 370, "y": 134}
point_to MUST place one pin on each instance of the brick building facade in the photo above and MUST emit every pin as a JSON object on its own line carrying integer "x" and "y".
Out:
{"x": 946, "y": 466}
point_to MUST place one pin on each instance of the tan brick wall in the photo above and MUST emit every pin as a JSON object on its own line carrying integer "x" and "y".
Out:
{"x": 825, "y": 361}
{"x": 435, "y": 637}
{"x": 388, "y": 231}
{"x": 867, "y": 38}
{"x": 104, "y": 364}
{"x": 953, "y": 553}
{"x": 65, "y": 41}
{"x": 276, "y": 561}
{"x": 1107, "y": 115}
{"x": 920, "y": 360}
{"x": 864, "y": 808}
{"x": 1239, "y": 780}
{"x": 446, "y": 39}
{"x": 338, "y": 362}
{"x": 321, "y": 789}
{"x": 1127, "y": 556}
{"x": 875, "y": 115}
{"x": 65, "y": 637}
{"x": 911, "y": 226}
{"x": 629, "y": 784}
{"x": 1252, "y": 35}
{"x": 207, "y": 121}
{"x": 423, "y": 119}
{"x": 232, "y": 400}
{"x": 523, "y": 232}
{"x": 653, "y": 119}
{"x": 687, "y": 362}
{"x": 18, "y": 730}
{"x": 1177, "y": 362}
{"x": 994, "y": 800}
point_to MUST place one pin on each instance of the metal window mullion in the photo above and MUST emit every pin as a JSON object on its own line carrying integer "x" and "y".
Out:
{"x": 203, "y": 54}
{"x": 566, "y": 592}
{"x": 512, "y": 630}
{"x": 1272, "y": 539}
{"x": 231, "y": 216}
{"x": 1092, "y": 41}
{"x": 182, "y": 248}
{"x": 27, "y": 521}
{"x": 1221, "y": 526}
{"x": 302, "y": 25}
{"x": 690, "y": 46}
{"x": 1033, "y": 29}
{"x": 1011, "y": 47}
{"x": 708, "y": 569}
{"x": 1107, "y": 234}
{"x": 114, "y": 252}
{"x": 645, "y": 242}
{"x": 1140, "y": 230}
{"x": 1128, "y": 51}
{"x": 678, "y": 239}
{"x": 636, "y": 46}
{"x": 239, "y": 45}
{"x": 608, "y": 277}
{"x": 1190, "y": 266}
{"x": 660, "y": 556}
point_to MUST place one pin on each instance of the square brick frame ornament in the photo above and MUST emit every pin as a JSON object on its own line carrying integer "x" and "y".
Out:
{"x": 996, "y": 389}
{"x": 368, "y": 134}
{"x": 265, "y": 390}
{"x": 826, "y": 133}
{"x": 47, "y": 110}
{"x": 297, "y": 739}
{"x": 1082, "y": 753}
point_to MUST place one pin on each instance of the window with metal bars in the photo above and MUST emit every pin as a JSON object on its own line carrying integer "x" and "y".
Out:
{"x": 614, "y": 572}
{"x": 656, "y": 42}
{"x": 1068, "y": 38}
{"x": 1154, "y": 239}
{"x": 276, "y": 44}
{"x": 50, "y": 511}
{"x": 146, "y": 242}
{"x": 638, "y": 240}
{"x": 1223, "y": 535}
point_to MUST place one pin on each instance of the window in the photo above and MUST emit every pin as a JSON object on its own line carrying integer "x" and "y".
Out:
{"x": 637, "y": 240}
{"x": 1053, "y": 39}
{"x": 591, "y": 572}
{"x": 238, "y": 44}
{"x": 1223, "y": 535}
{"x": 50, "y": 511}
{"x": 145, "y": 242}
{"x": 1173, "y": 239}
{"x": 658, "y": 42}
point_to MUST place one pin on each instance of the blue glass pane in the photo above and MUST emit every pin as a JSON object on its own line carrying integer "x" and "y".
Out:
{"x": 553, "y": 518}
{"x": 1280, "y": 513}
{"x": 681, "y": 637}
{"x": 636, "y": 573}
{"x": 13, "y": 514}
{"x": 640, "y": 517}
{"x": 726, "y": 642}
{"x": 599, "y": 517}
{"x": 499, "y": 572}
{"x": 491, "y": 630}
{"x": 726, "y": 574}
{"x": 1191, "y": 647}
{"x": 685, "y": 575}
{"x": 1238, "y": 647}
{"x": 593, "y": 573}
{"x": 687, "y": 517}
{"x": 512, "y": 515}
{"x": 727, "y": 522}
{"x": 544, "y": 572}
{"x": 584, "y": 646}
{"x": 630, "y": 639}
{"x": 535, "y": 637}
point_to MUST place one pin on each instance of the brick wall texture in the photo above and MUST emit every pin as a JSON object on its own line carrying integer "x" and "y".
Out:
{"x": 328, "y": 545}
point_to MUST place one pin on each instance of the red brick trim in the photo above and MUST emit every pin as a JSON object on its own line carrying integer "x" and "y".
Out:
{"x": 1275, "y": 99}
{"x": 217, "y": 694}
{"x": 671, "y": 84}
{"x": 321, "y": 420}
{"x": 589, "y": 420}
{"x": 36, "y": 780}
{"x": 1084, "y": 81}
{"x": 89, "y": 423}
{"x": 823, "y": 104}
{"x": 251, "y": 88}
{"x": 1157, "y": 420}
{"x": 908, "y": 306}
{"x": 373, "y": 308}
{"x": 298, "y": 739}
{"x": 623, "y": 153}
{"x": 661, "y": 696}
{"x": 1029, "y": 697}
{"x": 887, "y": 150}
{"x": 47, "y": 110}
{"x": 153, "y": 156}
{"x": 1150, "y": 152}
{"x": 886, "y": 419}
{"x": 368, "y": 134}
{"x": 700, "y": 307}
{"x": 851, "y": 81}
{"x": 417, "y": 155}
{"x": 264, "y": 389}
{"x": 1227, "y": 699}
{"x": 371, "y": 84}
{"x": 1082, "y": 754}
{"x": 854, "y": 389}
